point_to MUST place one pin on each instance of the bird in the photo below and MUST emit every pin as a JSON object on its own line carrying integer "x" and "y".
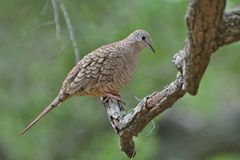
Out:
{"x": 102, "y": 72}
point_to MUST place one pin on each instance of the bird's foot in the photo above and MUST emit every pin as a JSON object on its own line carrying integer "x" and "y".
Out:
{"x": 115, "y": 96}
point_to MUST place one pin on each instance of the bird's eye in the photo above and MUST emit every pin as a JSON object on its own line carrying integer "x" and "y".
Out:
{"x": 143, "y": 38}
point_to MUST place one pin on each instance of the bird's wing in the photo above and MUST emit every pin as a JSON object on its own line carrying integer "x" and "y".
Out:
{"x": 94, "y": 70}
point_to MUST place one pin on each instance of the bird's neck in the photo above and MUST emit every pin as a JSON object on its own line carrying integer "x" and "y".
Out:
{"x": 132, "y": 51}
{"x": 133, "y": 48}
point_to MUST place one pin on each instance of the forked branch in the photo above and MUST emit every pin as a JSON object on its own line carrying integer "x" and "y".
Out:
{"x": 208, "y": 29}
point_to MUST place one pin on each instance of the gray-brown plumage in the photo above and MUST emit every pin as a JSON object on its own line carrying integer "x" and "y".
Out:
{"x": 103, "y": 72}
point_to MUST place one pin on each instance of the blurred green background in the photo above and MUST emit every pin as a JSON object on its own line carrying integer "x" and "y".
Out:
{"x": 33, "y": 65}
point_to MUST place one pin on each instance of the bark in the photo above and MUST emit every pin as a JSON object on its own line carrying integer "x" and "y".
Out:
{"x": 209, "y": 28}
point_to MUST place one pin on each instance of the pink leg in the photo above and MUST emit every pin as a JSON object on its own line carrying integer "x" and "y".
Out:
{"x": 115, "y": 96}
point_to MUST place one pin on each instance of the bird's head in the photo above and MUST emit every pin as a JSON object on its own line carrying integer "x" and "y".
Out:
{"x": 142, "y": 38}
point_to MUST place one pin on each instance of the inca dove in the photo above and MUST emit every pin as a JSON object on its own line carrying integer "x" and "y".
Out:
{"x": 103, "y": 72}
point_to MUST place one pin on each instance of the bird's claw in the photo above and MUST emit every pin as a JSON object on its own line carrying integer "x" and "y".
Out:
{"x": 109, "y": 95}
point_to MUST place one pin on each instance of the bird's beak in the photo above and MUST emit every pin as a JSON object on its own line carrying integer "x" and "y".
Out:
{"x": 150, "y": 46}
{"x": 153, "y": 50}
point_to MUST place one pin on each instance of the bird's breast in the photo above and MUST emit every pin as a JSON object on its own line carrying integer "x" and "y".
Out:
{"x": 125, "y": 71}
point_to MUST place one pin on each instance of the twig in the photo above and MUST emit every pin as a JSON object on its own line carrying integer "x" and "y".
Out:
{"x": 60, "y": 51}
{"x": 44, "y": 8}
{"x": 70, "y": 30}
{"x": 46, "y": 24}
{"x": 56, "y": 19}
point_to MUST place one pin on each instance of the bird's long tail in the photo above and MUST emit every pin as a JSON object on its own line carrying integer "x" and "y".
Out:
{"x": 56, "y": 102}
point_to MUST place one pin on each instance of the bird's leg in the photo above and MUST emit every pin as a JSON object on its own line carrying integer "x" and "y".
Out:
{"x": 115, "y": 96}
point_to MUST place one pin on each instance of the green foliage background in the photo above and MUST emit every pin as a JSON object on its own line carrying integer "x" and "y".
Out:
{"x": 33, "y": 65}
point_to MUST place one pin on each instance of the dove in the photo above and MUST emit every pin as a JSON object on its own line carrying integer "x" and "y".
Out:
{"x": 102, "y": 72}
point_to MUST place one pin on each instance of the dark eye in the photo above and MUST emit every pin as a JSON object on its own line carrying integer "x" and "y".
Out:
{"x": 143, "y": 38}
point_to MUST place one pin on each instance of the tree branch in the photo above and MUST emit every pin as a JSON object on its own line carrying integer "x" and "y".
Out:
{"x": 208, "y": 29}
{"x": 203, "y": 20}
{"x": 129, "y": 125}
{"x": 230, "y": 28}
